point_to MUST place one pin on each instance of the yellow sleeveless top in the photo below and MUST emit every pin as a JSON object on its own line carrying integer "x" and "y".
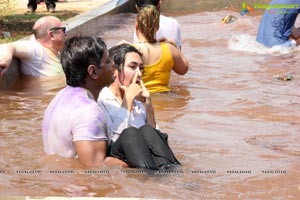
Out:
{"x": 157, "y": 75}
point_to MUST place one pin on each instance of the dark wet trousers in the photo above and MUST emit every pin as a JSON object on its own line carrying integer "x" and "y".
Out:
{"x": 33, "y": 4}
{"x": 145, "y": 147}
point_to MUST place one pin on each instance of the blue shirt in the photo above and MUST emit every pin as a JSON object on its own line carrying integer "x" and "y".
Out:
{"x": 276, "y": 23}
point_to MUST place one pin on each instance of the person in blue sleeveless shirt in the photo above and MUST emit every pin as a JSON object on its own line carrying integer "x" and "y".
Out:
{"x": 277, "y": 26}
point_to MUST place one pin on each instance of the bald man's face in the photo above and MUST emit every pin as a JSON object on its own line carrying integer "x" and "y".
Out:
{"x": 58, "y": 38}
{"x": 58, "y": 35}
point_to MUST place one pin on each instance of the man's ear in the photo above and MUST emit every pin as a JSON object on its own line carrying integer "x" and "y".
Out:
{"x": 50, "y": 34}
{"x": 92, "y": 71}
{"x": 116, "y": 73}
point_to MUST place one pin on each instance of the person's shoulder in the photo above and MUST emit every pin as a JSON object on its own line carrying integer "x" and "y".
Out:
{"x": 22, "y": 43}
{"x": 86, "y": 107}
{"x": 105, "y": 94}
{"x": 80, "y": 97}
{"x": 168, "y": 45}
{"x": 166, "y": 19}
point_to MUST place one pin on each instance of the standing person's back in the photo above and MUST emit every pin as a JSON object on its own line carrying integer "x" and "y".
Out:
{"x": 277, "y": 24}
{"x": 160, "y": 57}
{"x": 168, "y": 26}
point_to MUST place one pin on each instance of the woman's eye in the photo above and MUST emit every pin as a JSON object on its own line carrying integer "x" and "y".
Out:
{"x": 133, "y": 67}
{"x": 141, "y": 68}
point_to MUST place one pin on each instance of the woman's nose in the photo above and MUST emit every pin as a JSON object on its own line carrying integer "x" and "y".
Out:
{"x": 139, "y": 72}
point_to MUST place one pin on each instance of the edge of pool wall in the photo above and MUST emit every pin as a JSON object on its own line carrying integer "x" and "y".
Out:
{"x": 87, "y": 23}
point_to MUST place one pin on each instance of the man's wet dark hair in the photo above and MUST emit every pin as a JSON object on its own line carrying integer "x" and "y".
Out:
{"x": 142, "y": 3}
{"x": 78, "y": 54}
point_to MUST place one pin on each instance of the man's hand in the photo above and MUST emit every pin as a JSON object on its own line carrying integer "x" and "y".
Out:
{"x": 114, "y": 161}
{"x": 2, "y": 70}
{"x": 6, "y": 55}
{"x": 295, "y": 33}
{"x": 170, "y": 41}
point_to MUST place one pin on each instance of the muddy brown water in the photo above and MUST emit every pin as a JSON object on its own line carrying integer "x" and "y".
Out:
{"x": 234, "y": 127}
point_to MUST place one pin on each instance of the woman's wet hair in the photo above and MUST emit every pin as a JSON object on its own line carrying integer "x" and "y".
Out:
{"x": 142, "y": 3}
{"x": 148, "y": 22}
{"x": 78, "y": 54}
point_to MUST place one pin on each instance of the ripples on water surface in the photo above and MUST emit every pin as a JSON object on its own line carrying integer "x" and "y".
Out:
{"x": 227, "y": 115}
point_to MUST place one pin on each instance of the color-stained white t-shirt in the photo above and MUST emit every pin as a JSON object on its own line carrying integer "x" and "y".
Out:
{"x": 41, "y": 62}
{"x": 73, "y": 115}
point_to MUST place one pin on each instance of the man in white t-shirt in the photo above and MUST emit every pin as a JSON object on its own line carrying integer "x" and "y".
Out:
{"x": 39, "y": 55}
{"x": 74, "y": 125}
{"x": 169, "y": 28}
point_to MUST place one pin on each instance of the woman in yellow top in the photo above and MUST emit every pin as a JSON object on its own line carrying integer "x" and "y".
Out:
{"x": 159, "y": 57}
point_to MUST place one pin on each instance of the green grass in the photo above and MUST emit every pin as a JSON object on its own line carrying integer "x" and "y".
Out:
{"x": 20, "y": 25}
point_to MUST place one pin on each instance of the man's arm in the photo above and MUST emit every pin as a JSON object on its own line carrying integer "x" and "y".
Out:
{"x": 19, "y": 49}
{"x": 295, "y": 33}
{"x": 93, "y": 154}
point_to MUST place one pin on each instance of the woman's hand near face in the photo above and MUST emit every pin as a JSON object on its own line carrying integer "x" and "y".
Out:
{"x": 131, "y": 92}
{"x": 148, "y": 105}
{"x": 145, "y": 93}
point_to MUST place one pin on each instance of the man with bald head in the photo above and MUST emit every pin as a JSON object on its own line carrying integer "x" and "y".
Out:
{"x": 39, "y": 55}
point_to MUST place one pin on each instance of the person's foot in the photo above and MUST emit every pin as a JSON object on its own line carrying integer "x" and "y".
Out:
{"x": 30, "y": 10}
{"x": 52, "y": 10}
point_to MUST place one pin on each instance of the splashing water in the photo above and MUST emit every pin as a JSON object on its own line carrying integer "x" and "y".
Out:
{"x": 248, "y": 43}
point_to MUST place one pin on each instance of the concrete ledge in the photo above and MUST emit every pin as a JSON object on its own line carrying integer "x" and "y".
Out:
{"x": 87, "y": 23}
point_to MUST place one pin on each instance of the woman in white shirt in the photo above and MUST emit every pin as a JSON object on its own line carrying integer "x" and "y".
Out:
{"x": 135, "y": 135}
